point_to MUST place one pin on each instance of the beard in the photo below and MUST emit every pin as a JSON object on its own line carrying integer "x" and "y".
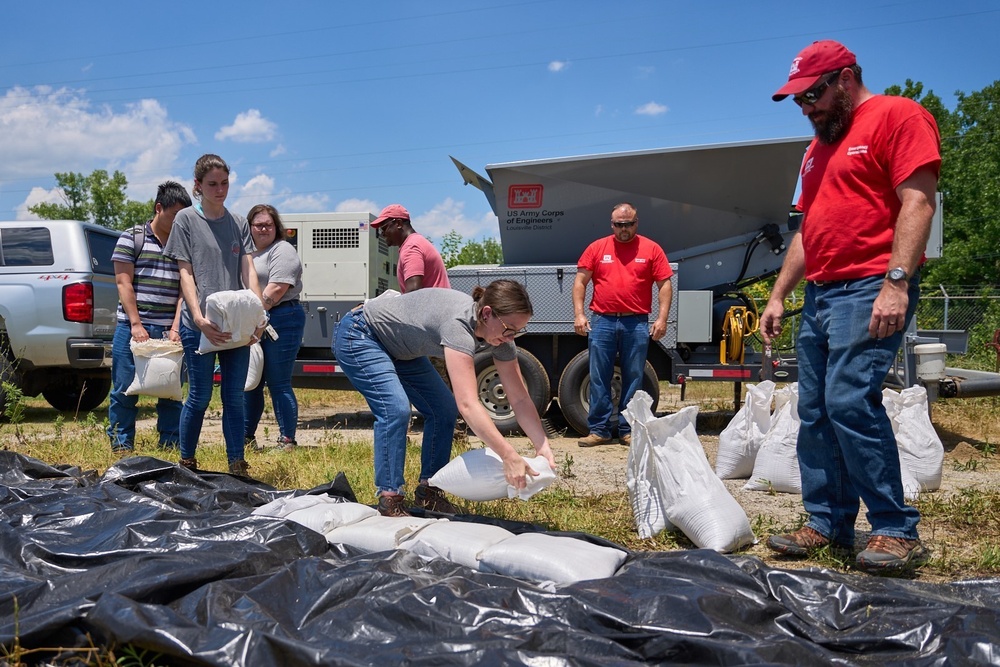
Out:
{"x": 834, "y": 123}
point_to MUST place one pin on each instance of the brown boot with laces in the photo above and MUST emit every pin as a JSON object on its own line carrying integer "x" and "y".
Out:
{"x": 432, "y": 498}
{"x": 892, "y": 554}
{"x": 393, "y": 505}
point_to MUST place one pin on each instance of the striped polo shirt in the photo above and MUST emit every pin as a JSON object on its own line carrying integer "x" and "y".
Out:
{"x": 155, "y": 278}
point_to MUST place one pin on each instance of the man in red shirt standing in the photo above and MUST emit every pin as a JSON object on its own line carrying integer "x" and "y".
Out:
{"x": 623, "y": 267}
{"x": 868, "y": 195}
{"x": 420, "y": 264}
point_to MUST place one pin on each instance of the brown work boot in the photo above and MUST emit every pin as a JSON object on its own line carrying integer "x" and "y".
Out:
{"x": 191, "y": 464}
{"x": 892, "y": 554}
{"x": 625, "y": 440}
{"x": 239, "y": 467}
{"x": 806, "y": 542}
{"x": 593, "y": 440}
{"x": 432, "y": 498}
{"x": 393, "y": 505}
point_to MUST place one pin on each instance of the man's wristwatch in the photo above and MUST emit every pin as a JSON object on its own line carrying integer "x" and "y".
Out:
{"x": 897, "y": 274}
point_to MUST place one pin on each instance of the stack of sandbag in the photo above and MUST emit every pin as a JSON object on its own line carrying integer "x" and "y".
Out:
{"x": 157, "y": 368}
{"x": 686, "y": 492}
{"x": 776, "y": 467}
{"x": 921, "y": 453}
{"x": 533, "y": 556}
{"x": 744, "y": 435}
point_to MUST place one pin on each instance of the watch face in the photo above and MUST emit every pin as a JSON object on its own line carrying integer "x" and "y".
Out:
{"x": 897, "y": 274}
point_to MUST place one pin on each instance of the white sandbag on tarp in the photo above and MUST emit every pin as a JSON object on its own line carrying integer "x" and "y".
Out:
{"x": 255, "y": 372}
{"x": 641, "y": 479}
{"x": 777, "y": 465}
{"x": 460, "y": 542}
{"x": 377, "y": 533}
{"x": 157, "y": 369}
{"x": 562, "y": 560}
{"x": 694, "y": 499}
{"x": 478, "y": 475}
{"x": 282, "y": 507}
{"x": 920, "y": 448}
{"x": 238, "y": 312}
{"x": 324, "y": 517}
{"x": 743, "y": 436}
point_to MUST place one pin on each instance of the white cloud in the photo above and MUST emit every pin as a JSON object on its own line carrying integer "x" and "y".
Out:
{"x": 277, "y": 150}
{"x": 38, "y": 196}
{"x": 356, "y": 205}
{"x": 305, "y": 204}
{"x": 258, "y": 190}
{"x": 645, "y": 71}
{"x": 450, "y": 215}
{"x": 558, "y": 65}
{"x": 599, "y": 111}
{"x": 249, "y": 127}
{"x": 651, "y": 109}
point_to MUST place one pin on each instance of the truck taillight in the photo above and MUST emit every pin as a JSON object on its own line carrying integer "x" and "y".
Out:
{"x": 78, "y": 303}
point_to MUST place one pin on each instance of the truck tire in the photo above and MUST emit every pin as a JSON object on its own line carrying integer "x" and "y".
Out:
{"x": 574, "y": 390}
{"x": 75, "y": 393}
{"x": 494, "y": 398}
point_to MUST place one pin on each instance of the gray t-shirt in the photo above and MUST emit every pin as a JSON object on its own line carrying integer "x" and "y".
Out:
{"x": 424, "y": 322}
{"x": 279, "y": 263}
{"x": 215, "y": 249}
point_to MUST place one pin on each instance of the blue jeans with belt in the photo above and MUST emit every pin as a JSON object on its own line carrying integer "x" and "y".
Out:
{"x": 627, "y": 338}
{"x": 389, "y": 386}
{"x": 123, "y": 409}
{"x": 846, "y": 447}
{"x": 288, "y": 320}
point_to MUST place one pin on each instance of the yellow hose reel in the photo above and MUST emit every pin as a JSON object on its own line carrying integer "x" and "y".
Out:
{"x": 739, "y": 323}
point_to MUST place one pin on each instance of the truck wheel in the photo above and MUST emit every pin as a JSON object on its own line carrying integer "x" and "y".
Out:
{"x": 494, "y": 398}
{"x": 73, "y": 393}
{"x": 574, "y": 390}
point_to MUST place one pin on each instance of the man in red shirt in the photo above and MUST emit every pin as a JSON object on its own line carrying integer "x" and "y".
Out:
{"x": 623, "y": 267}
{"x": 868, "y": 195}
{"x": 420, "y": 264}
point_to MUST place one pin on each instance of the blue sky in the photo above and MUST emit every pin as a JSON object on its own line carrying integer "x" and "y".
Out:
{"x": 322, "y": 106}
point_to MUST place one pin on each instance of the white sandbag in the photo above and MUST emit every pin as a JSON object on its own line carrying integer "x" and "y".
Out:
{"x": 641, "y": 479}
{"x": 388, "y": 294}
{"x": 282, "y": 507}
{"x": 238, "y": 312}
{"x": 694, "y": 498}
{"x": 478, "y": 475}
{"x": 539, "y": 557}
{"x": 377, "y": 533}
{"x": 919, "y": 445}
{"x": 777, "y": 465}
{"x": 324, "y": 517}
{"x": 255, "y": 371}
{"x": 743, "y": 436}
{"x": 157, "y": 369}
{"x": 458, "y": 541}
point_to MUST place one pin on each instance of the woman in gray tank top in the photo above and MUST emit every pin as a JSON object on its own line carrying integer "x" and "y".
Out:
{"x": 383, "y": 349}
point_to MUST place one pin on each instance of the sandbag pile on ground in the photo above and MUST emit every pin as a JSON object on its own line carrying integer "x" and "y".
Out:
{"x": 530, "y": 556}
{"x": 776, "y": 466}
{"x": 687, "y": 492}
{"x": 921, "y": 452}
{"x": 743, "y": 436}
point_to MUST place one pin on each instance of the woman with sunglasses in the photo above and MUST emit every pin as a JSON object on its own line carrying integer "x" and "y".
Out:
{"x": 383, "y": 348}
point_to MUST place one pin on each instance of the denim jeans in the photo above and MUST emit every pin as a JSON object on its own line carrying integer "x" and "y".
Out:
{"x": 390, "y": 386}
{"x": 628, "y": 339}
{"x": 122, "y": 410}
{"x": 201, "y": 369}
{"x": 846, "y": 447}
{"x": 288, "y": 320}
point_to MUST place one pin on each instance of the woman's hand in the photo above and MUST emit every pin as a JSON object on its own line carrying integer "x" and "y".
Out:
{"x": 516, "y": 471}
{"x": 257, "y": 333}
{"x": 214, "y": 335}
{"x": 546, "y": 451}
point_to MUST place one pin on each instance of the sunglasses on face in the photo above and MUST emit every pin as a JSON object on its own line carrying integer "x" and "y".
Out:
{"x": 509, "y": 330}
{"x": 812, "y": 95}
{"x": 623, "y": 225}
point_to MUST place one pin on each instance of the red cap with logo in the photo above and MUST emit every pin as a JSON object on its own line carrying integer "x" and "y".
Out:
{"x": 389, "y": 212}
{"x": 813, "y": 62}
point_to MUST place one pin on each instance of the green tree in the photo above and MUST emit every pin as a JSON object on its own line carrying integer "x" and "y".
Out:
{"x": 454, "y": 252}
{"x": 95, "y": 198}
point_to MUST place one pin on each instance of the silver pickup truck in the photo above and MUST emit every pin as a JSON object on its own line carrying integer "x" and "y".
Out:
{"x": 58, "y": 301}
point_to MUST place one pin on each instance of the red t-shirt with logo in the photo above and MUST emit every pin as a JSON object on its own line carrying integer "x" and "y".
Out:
{"x": 624, "y": 273}
{"x": 849, "y": 187}
{"x": 419, "y": 257}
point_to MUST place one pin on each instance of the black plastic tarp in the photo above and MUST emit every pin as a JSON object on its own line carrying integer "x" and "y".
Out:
{"x": 174, "y": 562}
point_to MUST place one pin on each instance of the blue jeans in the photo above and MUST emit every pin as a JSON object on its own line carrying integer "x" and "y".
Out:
{"x": 628, "y": 339}
{"x": 122, "y": 411}
{"x": 201, "y": 369}
{"x": 289, "y": 321}
{"x": 390, "y": 386}
{"x": 846, "y": 447}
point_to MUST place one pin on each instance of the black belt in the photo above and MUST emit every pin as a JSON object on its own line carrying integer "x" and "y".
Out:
{"x": 293, "y": 302}
{"x": 623, "y": 314}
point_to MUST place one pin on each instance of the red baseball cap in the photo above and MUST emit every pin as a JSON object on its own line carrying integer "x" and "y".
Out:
{"x": 391, "y": 211}
{"x": 814, "y": 61}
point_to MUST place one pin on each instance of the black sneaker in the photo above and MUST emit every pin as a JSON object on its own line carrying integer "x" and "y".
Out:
{"x": 432, "y": 498}
{"x": 394, "y": 505}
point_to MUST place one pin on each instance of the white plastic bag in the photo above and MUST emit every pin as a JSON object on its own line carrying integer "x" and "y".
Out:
{"x": 742, "y": 438}
{"x": 157, "y": 369}
{"x": 539, "y": 557}
{"x": 641, "y": 479}
{"x": 694, "y": 498}
{"x": 777, "y": 465}
{"x": 461, "y": 542}
{"x": 478, "y": 475}
{"x": 920, "y": 449}
{"x": 238, "y": 312}
{"x": 256, "y": 370}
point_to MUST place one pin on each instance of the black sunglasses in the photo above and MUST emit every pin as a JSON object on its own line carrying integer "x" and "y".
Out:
{"x": 623, "y": 225}
{"x": 509, "y": 330}
{"x": 812, "y": 95}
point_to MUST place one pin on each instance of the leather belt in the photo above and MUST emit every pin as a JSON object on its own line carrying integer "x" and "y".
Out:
{"x": 623, "y": 314}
